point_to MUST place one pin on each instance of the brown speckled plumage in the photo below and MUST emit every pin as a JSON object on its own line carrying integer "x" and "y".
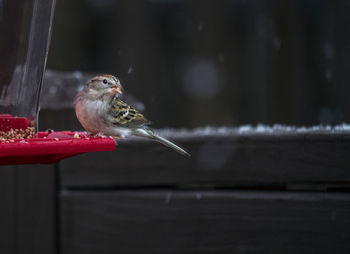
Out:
{"x": 126, "y": 116}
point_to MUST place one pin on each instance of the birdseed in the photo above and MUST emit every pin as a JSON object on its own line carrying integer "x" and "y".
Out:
{"x": 12, "y": 134}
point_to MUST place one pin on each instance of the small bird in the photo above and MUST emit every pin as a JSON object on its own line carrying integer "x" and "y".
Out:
{"x": 99, "y": 109}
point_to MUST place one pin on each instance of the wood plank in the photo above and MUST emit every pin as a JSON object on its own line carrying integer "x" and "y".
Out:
{"x": 36, "y": 197}
{"x": 8, "y": 210}
{"x": 28, "y": 218}
{"x": 168, "y": 221}
{"x": 217, "y": 160}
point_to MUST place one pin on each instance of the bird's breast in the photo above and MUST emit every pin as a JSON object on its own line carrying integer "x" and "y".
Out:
{"x": 91, "y": 114}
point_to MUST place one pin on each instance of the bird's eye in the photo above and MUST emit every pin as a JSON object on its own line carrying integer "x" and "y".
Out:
{"x": 105, "y": 81}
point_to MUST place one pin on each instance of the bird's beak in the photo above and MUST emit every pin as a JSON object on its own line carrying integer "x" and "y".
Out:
{"x": 116, "y": 89}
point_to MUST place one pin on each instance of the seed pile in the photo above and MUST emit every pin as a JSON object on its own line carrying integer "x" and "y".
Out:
{"x": 12, "y": 134}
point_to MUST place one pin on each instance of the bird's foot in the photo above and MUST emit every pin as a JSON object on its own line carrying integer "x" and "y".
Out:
{"x": 98, "y": 135}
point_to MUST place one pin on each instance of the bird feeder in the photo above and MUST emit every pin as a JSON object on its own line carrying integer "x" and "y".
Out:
{"x": 25, "y": 29}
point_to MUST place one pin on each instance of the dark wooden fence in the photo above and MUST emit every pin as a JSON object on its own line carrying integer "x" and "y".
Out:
{"x": 236, "y": 194}
{"x": 275, "y": 191}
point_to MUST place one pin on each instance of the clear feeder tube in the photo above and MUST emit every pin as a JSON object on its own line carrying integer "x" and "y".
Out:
{"x": 25, "y": 30}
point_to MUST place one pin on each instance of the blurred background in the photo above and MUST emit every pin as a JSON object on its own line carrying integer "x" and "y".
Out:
{"x": 191, "y": 63}
{"x": 228, "y": 62}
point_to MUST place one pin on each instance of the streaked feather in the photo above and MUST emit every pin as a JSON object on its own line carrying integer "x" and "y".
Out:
{"x": 124, "y": 115}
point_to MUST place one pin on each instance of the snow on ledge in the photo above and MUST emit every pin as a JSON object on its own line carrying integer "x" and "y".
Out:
{"x": 260, "y": 129}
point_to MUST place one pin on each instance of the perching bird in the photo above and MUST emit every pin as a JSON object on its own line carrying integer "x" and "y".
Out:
{"x": 99, "y": 109}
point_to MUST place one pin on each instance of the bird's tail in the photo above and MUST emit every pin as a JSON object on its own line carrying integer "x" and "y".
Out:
{"x": 150, "y": 134}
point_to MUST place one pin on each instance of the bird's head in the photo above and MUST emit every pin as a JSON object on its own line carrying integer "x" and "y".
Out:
{"x": 104, "y": 85}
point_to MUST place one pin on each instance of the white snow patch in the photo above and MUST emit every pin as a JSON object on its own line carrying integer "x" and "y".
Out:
{"x": 259, "y": 129}
{"x": 131, "y": 69}
{"x": 342, "y": 127}
{"x": 245, "y": 128}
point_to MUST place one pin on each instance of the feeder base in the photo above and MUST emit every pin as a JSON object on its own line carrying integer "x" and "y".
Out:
{"x": 47, "y": 147}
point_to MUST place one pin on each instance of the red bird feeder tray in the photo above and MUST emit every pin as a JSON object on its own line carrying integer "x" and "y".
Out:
{"x": 46, "y": 147}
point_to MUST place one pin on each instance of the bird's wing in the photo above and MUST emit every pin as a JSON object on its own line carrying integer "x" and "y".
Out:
{"x": 123, "y": 115}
